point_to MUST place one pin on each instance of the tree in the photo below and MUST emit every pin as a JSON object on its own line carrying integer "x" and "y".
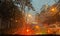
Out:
{"x": 55, "y": 17}
{"x": 24, "y": 3}
{"x": 10, "y": 14}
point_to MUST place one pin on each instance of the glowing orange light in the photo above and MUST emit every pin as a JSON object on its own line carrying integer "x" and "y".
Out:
{"x": 37, "y": 27}
{"x": 29, "y": 15}
{"x": 27, "y": 30}
{"x": 53, "y": 9}
{"x": 49, "y": 31}
{"x": 59, "y": 13}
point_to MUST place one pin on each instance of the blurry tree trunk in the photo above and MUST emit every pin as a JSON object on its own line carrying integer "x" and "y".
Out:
{"x": 10, "y": 13}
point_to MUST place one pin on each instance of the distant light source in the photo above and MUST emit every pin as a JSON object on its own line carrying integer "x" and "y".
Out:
{"x": 52, "y": 9}
{"x": 49, "y": 31}
{"x": 37, "y": 27}
{"x": 29, "y": 15}
{"x": 16, "y": 21}
{"x": 27, "y": 30}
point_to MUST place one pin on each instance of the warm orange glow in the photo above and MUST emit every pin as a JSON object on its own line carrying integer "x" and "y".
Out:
{"x": 53, "y": 9}
{"x": 49, "y": 31}
{"x": 38, "y": 33}
{"x": 27, "y": 30}
{"x": 29, "y": 15}
{"x": 59, "y": 13}
{"x": 16, "y": 21}
{"x": 58, "y": 30}
{"x": 37, "y": 27}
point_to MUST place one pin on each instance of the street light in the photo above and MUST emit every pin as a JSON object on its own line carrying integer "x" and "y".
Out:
{"x": 53, "y": 9}
{"x": 37, "y": 27}
{"x": 29, "y": 15}
{"x": 27, "y": 30}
